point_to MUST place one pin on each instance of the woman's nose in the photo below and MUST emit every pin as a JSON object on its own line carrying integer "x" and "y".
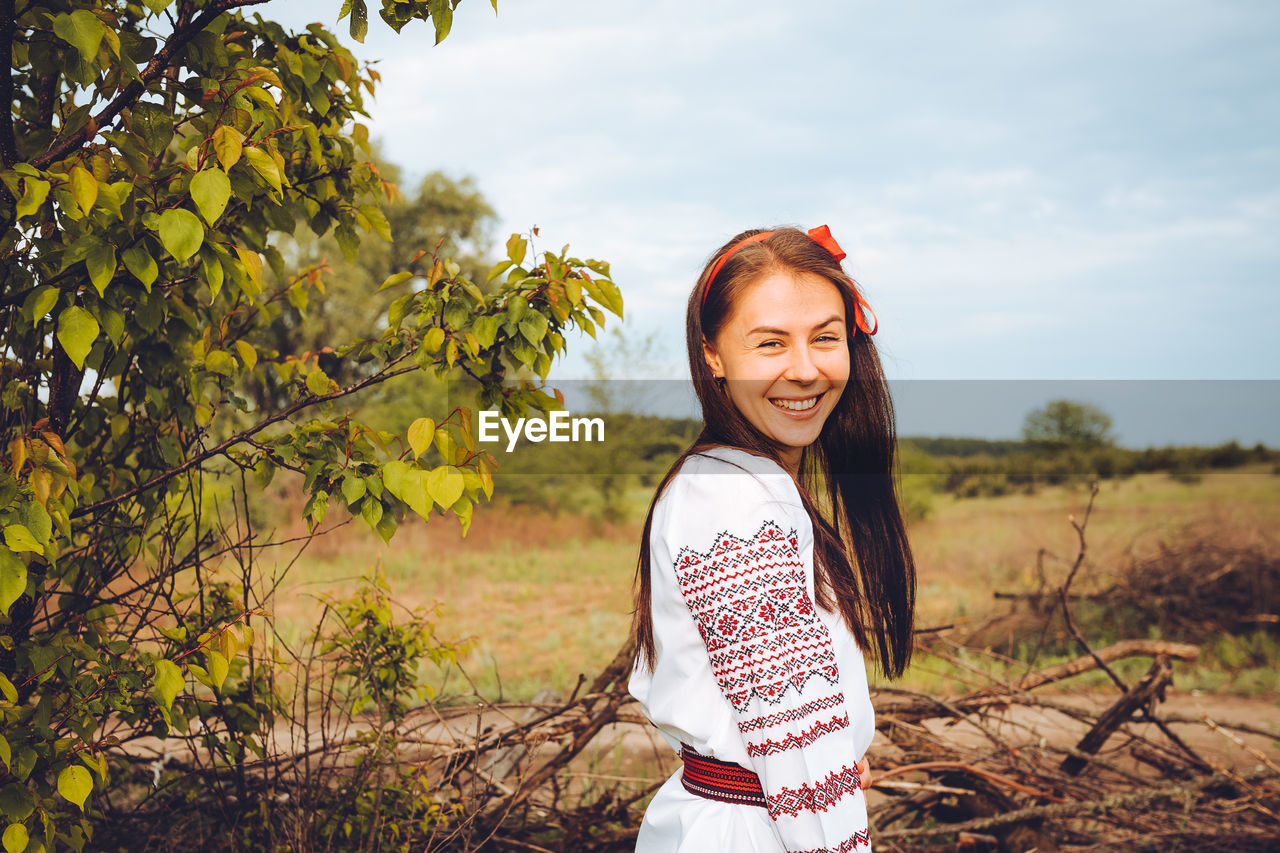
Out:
{"x": 801, "y": 368}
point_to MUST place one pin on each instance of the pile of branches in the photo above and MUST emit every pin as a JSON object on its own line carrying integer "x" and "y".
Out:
{"x": 1197, "y": 588}
{"x": 1006, "y": 766}
{"x": 1004, "y": 769}
{"x": 1192, "y": 587}
{"x": 1001, "y": 768}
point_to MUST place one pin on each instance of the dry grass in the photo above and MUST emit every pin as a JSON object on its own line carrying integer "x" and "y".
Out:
{"x": 548, "y": 598}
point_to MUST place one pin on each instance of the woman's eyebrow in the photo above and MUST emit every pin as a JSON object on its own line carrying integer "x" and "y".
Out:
{"x": 769, "y": 330}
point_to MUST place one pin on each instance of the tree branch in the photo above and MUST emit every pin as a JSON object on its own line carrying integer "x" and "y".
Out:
{"x": 220, "y": 448}
{"x": 8, "y": 144}
{"x": 1101, "y": 807}
{"x": 129, "y": 95}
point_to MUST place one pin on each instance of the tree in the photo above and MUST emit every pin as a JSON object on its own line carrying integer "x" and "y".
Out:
{"x": 330, "y": 298}
{"x": 152, "y": 155}
{"x": 1064, "y": 424}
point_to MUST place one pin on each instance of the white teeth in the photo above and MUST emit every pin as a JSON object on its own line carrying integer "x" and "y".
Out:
{"x": 796, "y": 405}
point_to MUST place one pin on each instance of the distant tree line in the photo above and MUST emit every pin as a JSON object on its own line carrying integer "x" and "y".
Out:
{"x": 1063, "y": 442}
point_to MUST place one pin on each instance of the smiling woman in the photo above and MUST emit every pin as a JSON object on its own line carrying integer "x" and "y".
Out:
{"x": 752, "y": 606}
{"x": 785, "y": 349}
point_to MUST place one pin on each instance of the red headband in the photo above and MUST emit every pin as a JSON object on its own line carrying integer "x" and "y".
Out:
{"x": 822, "y": 236}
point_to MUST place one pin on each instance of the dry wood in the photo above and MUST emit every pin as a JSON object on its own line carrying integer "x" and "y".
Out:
{"x": 1149, "y": 689}
{"x": 1109, "y": 654}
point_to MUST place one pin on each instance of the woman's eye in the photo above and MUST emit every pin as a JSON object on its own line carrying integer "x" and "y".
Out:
{"x": 829, "y": 338}
{"x": 763, "y": 344}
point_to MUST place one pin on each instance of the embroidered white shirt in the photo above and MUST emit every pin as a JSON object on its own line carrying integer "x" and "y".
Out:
{"x": 748, "y": 670}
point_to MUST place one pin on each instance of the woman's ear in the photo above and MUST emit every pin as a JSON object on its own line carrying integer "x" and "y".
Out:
{"x": 713, "y": 360}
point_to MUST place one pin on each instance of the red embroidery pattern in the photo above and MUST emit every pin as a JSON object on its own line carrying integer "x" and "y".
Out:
{"x": 793, "y": 714}
{"x": 719, "y": 780}
{"x": 804, "y": 738}
{"x": 754, "y": 614}
{"x": 819, "y": 797}
{"x": 858, "y": 839}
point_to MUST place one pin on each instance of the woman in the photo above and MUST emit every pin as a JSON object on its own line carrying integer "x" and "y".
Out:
{"x": 752, "y": 607}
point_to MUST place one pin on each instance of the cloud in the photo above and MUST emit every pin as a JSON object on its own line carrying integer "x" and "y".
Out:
{"x": 1009, "y": 178}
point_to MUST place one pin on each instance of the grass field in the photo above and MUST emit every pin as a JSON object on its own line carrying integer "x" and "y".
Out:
{"x": 544, "y": 599}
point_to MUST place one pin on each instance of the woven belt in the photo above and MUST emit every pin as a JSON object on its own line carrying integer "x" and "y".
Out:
{"x": 720, "y": 780}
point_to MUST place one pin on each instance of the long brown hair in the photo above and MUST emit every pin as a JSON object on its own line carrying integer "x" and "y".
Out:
{"x": 851, "y": 462}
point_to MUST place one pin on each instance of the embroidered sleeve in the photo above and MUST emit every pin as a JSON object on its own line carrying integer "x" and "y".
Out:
{"x": 773, "y": 659}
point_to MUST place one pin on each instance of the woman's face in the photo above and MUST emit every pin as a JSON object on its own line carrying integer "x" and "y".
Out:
{"x": 785, "y": 355}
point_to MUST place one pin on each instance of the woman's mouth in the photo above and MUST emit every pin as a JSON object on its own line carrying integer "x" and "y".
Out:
{"x": 803, "y": 404}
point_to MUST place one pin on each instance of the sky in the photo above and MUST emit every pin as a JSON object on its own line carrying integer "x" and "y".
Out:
{"x": 1030, "y": 191}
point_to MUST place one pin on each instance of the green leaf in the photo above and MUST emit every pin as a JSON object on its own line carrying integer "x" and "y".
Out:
{"x": 377, "y": 221}
{"x": 393, "y": 280}
{"x": 486, "y": 330}
{"x": 15, "y": 838}
{"x": 516, "y": 248}
{"x": 218, "y": 667}
{"x": 534, "y": 327}
{"x": 442, "y": 17}
{"x": 228, "y": 145}
{"x": 499, "y": 268}
{"x": 44, "y": 298}
{"x": 16, "y": 801}
{"x": 371, "y": 511}
{"x": 612, "y": 295}
{"x": 220, "y": 362}
{"x": 395, "y": 313}
{"x": 265, "y": 165}
{"x": 211, "y": 190}
{"x": 11, "y": 694}
{"x": 77, "y": 330}
{"x": 83, "y": 30}
{"x": 84, "y": 186}
{"x": 517, "y": 305}
{"x": 445, "y": 485}
{"x": 33, "y": 195}
{"x": 75, "y": 784}
{"x": 37, "y": 520}
{"x": 353, "y": 489}
{"x": 393, "y": 476}
{"x": 181, "y": 232}
{"x": 359, "y": 20}
{"x": 153, "y": 124}
{"x": 13, "y": 579}
{"x": 101, "y": 263}
{"x": 421, "y": 431}
{"x": 138, "y": 261}
{"x": 463, "y": 510}
{"x": 213, "y": 273}
{"x": 168, "y": 679}
{"x": 18, "y": 538}
{"x": 414, "y": 492}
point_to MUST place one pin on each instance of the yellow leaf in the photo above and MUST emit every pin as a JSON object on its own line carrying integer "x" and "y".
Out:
{"x": 84, "y": 188}
{"x": 252, "y": 263}
{"x": 228, "y": 144}
{"x": 248, "y": 354}
{"x": 318, "y": 383}
{"x": 421, "y": 431}
{"x": 433, "y": 340}
{"x": 218, "y": 667}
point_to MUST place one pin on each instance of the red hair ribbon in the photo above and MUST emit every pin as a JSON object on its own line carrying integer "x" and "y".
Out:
{"x": 821, "y": 235}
